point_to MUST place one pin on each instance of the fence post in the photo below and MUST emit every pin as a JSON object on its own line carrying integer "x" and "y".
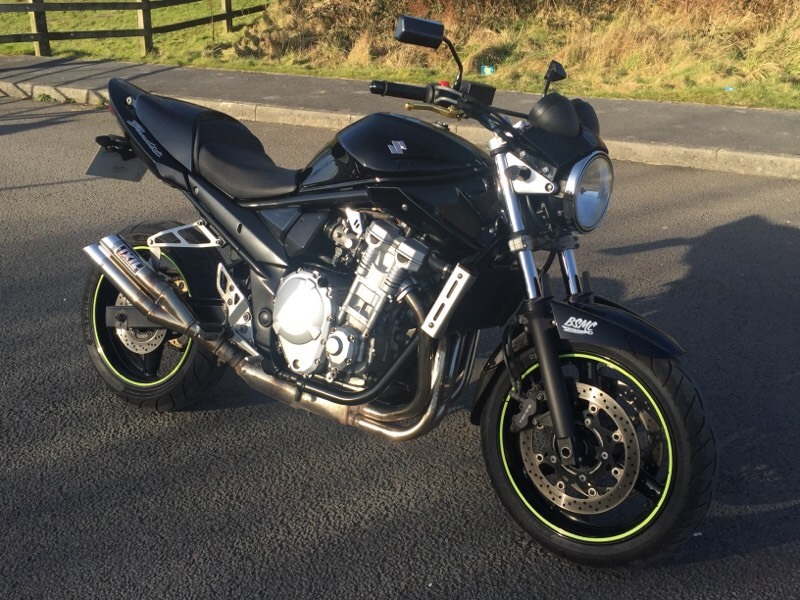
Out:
{"x": 39, "y": 25}
{"x": 228, "y": 21}
{"x": 146, "y": 25}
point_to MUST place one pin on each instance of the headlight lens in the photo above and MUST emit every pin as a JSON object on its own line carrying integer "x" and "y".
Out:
{"x": 588, "y": 191}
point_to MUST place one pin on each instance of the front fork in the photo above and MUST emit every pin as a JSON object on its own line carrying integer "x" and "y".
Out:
{"x": 536, "y": 314}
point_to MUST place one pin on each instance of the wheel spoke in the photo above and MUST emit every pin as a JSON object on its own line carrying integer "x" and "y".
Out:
{"x": 648, "y": 487}
{"x": 152, "y": 361}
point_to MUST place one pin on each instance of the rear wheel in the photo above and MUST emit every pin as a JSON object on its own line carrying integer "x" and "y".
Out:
{"x": 152, "y": 368}
{"x": 647, "y": 457}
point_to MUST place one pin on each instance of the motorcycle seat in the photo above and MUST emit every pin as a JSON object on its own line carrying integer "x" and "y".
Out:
{"x": 230, "y": 157}
{"x": 214, "y": 145}
{"x": 244, "y": 173}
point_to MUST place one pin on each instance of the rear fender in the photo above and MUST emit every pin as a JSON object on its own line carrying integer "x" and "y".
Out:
{"x": 123, "y": 97}
{"x": 594, "y": 320}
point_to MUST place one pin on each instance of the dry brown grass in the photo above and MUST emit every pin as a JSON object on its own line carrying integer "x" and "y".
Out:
{"x": 623, "y": 47}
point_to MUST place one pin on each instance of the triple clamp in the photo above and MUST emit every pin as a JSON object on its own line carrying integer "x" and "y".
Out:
{"x": 518, "y": 243}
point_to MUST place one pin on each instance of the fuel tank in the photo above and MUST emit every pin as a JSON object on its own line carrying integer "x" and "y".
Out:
{"x": 389, "y": 146}
{"x": 426, "y": 176}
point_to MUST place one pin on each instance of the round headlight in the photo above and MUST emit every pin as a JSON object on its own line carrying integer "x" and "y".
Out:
{"x": 588, "y": 191}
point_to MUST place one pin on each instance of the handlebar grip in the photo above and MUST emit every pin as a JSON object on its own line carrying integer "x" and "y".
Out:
{"x": 420, "y": 93}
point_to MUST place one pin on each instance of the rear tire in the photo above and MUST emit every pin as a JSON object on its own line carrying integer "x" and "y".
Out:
{"x": 155, "y": 369}
{"x": 646, "y": 480}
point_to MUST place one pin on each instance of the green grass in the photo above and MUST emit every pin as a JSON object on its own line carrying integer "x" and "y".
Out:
{"x": 730, "y": 52}
{"x": 183, "y": 47}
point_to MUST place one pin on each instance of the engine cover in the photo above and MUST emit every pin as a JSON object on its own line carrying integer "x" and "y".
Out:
{"x": 302, "y": 320}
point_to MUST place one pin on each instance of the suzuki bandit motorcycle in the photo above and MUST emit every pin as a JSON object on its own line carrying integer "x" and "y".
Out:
{"x": 356, "y": 288}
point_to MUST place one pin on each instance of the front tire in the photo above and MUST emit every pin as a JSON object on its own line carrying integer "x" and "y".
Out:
{"x": 645, "y": 480}
{"x": 152, "y": 368}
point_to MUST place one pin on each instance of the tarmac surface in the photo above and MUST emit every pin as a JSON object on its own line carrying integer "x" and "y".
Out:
{"x": 727, "y": 139}
{"x": 243, "y": 497}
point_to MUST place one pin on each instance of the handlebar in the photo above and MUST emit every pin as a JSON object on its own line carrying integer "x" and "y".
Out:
{"x": 447, "y": 97}
{"x": 419, "y": 93}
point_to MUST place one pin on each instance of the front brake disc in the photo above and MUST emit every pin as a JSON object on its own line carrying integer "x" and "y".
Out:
{"x": 610, "y": 465}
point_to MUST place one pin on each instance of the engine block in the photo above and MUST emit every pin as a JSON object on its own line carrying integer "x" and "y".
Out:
{"x": 321, "y": 333}
{"x": 388, "y": 260}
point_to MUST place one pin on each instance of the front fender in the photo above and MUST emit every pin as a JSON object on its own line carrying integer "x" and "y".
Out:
{"x": 605, "y": 323}
{"x": 597, "y": 321}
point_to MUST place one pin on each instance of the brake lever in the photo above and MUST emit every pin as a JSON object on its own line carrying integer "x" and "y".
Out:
{"x": 451, "y": 112}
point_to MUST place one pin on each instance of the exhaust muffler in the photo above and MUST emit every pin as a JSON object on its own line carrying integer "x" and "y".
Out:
{"x": 146, "y": 278}
{"x": 134, "y": 292}
{"x": 161, "y": 304}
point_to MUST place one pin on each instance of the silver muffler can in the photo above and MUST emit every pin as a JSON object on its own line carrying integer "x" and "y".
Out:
{"x": 164, "y": 295}
{"x": 136, "y": 294}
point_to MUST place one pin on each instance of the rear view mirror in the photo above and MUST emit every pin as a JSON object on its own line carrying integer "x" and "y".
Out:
{"x": 555, "y": 72}
{"x": 420, "y": 32}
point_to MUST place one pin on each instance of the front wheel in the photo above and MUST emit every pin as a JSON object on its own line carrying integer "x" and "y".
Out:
{"x": 643, "y": 479}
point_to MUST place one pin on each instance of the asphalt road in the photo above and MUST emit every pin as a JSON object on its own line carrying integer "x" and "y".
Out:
{"x": 244, "y": 497}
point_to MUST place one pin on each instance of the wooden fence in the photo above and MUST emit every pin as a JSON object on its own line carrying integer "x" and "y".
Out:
{"x": 41, "y": 37}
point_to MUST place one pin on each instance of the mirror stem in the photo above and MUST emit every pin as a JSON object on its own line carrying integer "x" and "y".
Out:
{"x": 457, "y": 85}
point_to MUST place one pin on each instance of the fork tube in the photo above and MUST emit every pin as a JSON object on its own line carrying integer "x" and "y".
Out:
{"x": 570, "y": 271}
{"x": 537, "y": 314}
{"x": 517, "y": 223}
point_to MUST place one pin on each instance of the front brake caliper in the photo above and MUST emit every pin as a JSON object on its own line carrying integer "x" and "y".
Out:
{"x": 528, "y": 406}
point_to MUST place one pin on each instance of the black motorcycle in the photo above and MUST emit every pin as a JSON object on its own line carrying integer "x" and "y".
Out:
{"x": 355, "y": 289}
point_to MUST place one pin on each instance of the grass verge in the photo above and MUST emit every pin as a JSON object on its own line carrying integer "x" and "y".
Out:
{"x": 735, "y": 52}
